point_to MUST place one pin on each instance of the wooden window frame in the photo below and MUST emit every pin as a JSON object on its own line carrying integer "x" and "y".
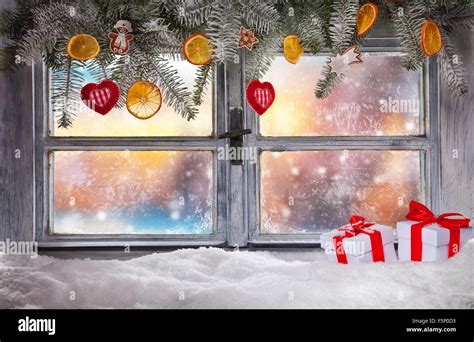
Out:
{"x": 46, "y": 144}
{"x": 236, "y": 194}
{"x": 427, "y": 143}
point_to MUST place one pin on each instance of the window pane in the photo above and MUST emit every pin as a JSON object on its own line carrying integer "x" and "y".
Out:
{"x": 306, "y": 192}
{"x": 120, "y": 123}
{"x": 132, "y": 192}
{"x": 378, "y": 97}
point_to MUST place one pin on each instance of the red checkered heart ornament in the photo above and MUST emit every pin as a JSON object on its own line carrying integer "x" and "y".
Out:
{"x": 101, "y": 97}
{"x": 260, "y": 96}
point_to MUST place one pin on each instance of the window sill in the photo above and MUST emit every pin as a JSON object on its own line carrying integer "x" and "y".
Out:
{"x": 131, "y": 244}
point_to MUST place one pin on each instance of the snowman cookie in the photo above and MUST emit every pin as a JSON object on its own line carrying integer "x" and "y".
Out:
{"x": 119, "y": 42}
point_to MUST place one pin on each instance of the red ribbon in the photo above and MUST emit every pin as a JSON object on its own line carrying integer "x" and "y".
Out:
{"x": 356, "y": 226}
{"x": 420, "y": 213}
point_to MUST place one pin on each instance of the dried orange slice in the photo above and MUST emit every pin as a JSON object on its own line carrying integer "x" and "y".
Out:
{"x": 143, "y": 100}
{"x": 292, "y": 48}
{"x": 431, "y": 41}
{"x": 198, "y": 50}
{"x": 83, "y": 47}
{"x": 366, "y": 18}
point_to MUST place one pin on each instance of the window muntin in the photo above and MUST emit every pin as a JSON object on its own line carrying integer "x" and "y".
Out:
{"x": 132, "y": 192}
{"x": 120, "y": 123}
{"x": 421, "y": 144}
{"x": 378, "y": 97}
{"x": 313, "y": 191}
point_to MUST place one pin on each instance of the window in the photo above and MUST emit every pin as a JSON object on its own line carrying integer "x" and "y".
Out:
{"x": 369, "y": 148}
{"x": 132, "y": 192}
{"x": 114, "y": 180}
{"x": 312, "y": 191}
{"x": 377, "y": 98}
{"x": 119, "y": 123}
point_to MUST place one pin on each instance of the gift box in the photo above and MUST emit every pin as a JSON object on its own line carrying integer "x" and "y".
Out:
{"x": 426, "y": 237}
{"x": 359, "y": 242}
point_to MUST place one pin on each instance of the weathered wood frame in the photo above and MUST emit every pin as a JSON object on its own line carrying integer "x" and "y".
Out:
{"x": 45, "y": 145}
{"x": 237, "y": 190}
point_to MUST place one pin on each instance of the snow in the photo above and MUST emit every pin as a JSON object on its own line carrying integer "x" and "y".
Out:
{"x": 215, "y": 278}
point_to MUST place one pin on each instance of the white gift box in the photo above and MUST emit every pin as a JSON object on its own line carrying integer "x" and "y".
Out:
{"x": 358, "y": 249}
{"x": 435, "y": 241}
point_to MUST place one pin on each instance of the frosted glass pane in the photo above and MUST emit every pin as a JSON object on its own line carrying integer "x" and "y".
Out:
{"x": 378, "y": 97}
{"x": 120, "y": 123}
{"x": 306, "y": 192}
{"x": 133, "y": 192}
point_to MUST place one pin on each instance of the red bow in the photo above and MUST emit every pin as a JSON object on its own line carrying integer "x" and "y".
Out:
{"x": 356, "y": 226}
{"x": 420, "y": 213}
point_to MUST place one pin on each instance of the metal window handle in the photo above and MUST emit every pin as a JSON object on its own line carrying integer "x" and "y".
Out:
{"x": 236, "y": 133}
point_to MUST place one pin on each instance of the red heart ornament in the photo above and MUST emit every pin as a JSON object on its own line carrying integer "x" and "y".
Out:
{"x": 260, "y": 96}
{"x": 101, "y": 97}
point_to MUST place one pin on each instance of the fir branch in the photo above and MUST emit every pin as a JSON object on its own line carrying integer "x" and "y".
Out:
{"x": 342, "y": 24}
{"x": 141, "y": 66}
{"x": 259, "y": 15}
{"x": 223, "y": 30}
{"x": 260, "y": 59}
{"x": 176, "y": 95}
{"x": 159, "y": 31}
{"x": 49, "y": 25}
{"x": 195, "y": 12}
{"x": 457, "y": 17}
{"x": 65, "y": 118}
{"x": 31, "y": 47}
{"x": 170, "y": 6}
{"x": 325, "y": 85}
{"x": 14, "y": 23}
{"x": 96, "y": 70}
{"x": 56, "y": 58}
{"x": 122, "y": 73}
{"x": 408, "y": 22}
{"x": 203, "y": 78}
{"x": 452, "y": 68}
{"x": 158, "y": 38}
{"x": 40, "y": 29}
{"x": 7, "y": 59}
{"x": 311, "y": 32}
{"x": 7, "y": 21}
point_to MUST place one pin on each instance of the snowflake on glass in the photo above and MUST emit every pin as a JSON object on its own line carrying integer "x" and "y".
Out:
{"x": 340, "y": 64}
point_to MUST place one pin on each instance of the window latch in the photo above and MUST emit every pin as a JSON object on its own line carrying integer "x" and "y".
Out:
{"x": 235, "y": 134}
